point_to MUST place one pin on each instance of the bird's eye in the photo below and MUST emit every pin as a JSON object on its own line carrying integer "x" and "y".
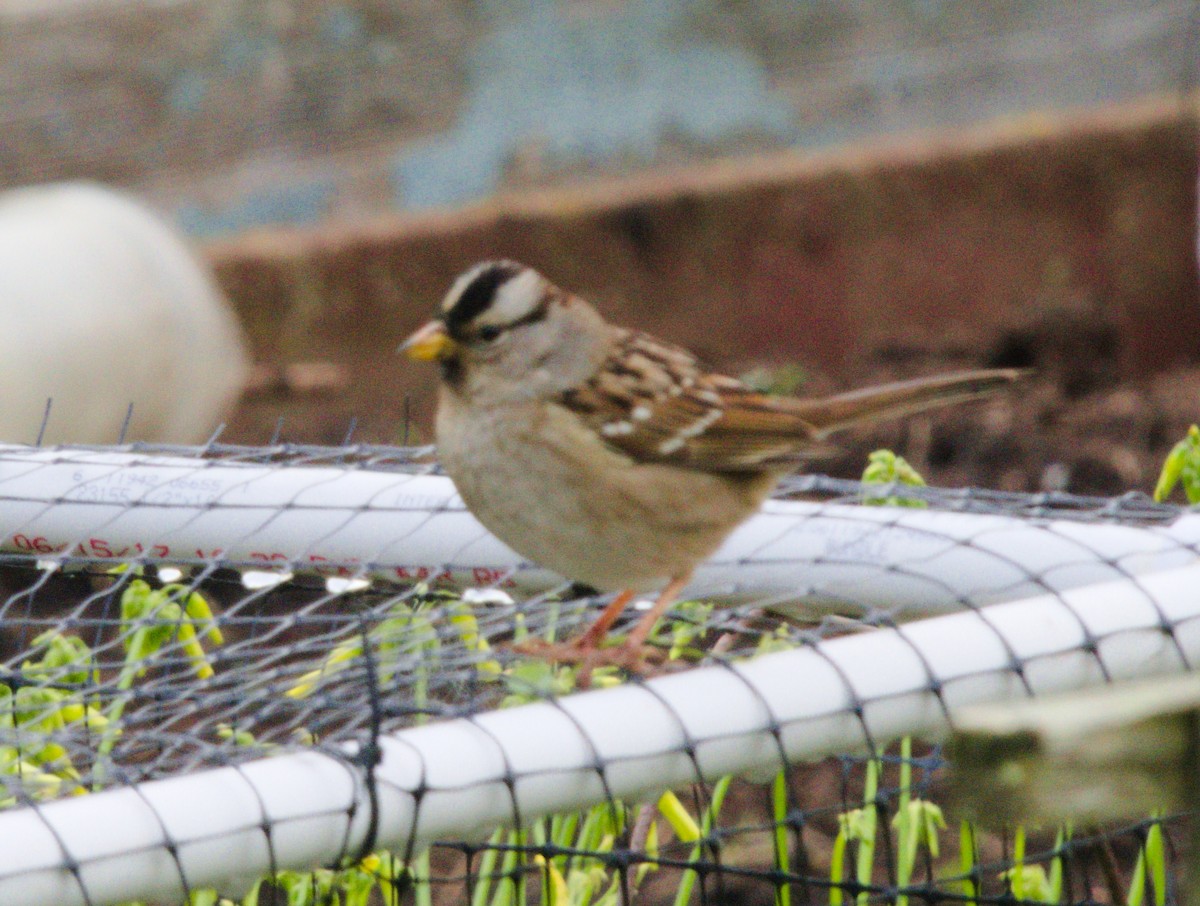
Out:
{"x": 490, "y": 332}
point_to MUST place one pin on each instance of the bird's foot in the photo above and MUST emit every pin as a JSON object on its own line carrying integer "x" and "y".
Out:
{"x": 637, "y": 659}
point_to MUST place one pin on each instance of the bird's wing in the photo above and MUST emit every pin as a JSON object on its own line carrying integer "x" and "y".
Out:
{"x": 654, "y": 402}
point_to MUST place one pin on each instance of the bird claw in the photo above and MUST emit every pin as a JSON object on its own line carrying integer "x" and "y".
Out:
{"x": 639, "y": 660}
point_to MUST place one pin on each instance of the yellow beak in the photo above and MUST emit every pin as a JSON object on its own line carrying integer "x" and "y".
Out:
{"x": 429, "y": 344}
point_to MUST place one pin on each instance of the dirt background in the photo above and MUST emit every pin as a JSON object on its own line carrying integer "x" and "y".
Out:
{"x": 1066, "y": 246}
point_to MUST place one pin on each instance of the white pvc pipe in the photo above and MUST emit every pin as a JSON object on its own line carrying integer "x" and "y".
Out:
{"x": 400, "y": 525}
{"x": 453, "y": 779}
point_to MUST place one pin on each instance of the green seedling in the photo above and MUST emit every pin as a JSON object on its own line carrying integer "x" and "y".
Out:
{"x": 1182, "y": 466}
{"x": 885, "y": 467}
{"x": 1151, "y": 868}
{"x": 917, "y": 823}
{"x": 856, "y": 826}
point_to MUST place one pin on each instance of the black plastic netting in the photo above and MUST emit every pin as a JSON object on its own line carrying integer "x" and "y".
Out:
{"x": 127, "y": 662}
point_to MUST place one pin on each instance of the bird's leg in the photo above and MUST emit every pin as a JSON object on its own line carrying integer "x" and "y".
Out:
{"x": 630, "y": 654}
{"x": 645, "y": 625}
{"x": 583, "y": 648}
{"x": 596, "y": 633}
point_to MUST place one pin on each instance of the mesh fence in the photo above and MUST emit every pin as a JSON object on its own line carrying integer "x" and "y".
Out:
{"x": 226, "y": 663}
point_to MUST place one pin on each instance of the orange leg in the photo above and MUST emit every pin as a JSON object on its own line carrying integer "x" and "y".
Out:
{"x": 630, "y": 654}
{"x": 597, "y": 631}
{"x": 585, "y": 649}
{"x": 645, "y": 625}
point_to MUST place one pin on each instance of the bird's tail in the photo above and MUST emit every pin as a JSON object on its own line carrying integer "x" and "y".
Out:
{"x": 844, "y": 410}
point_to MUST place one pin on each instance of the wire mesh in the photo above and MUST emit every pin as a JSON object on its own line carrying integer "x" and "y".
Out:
{"x": 199, "y": 680}
{"x": 226, "y": 663}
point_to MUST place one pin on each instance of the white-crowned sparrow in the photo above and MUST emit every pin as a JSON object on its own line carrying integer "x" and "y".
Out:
{"x": 607, "y": 455}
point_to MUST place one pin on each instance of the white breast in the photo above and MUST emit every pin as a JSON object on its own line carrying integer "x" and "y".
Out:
{"x": 549, "y": 488}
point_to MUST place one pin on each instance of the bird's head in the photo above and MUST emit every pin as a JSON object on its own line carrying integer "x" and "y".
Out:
{"x": 505, "y": 332}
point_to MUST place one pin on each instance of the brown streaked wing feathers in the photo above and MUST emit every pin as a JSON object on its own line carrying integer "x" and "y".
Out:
{"x": 708, "y": 421}
{"x": 696, "y": 419}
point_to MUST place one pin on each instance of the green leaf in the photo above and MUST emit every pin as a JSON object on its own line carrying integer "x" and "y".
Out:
{"x": 837, "y": 868}
{"x": 1029, "y": 882}
{"x": 885, "y": 467}
{"x": 680, "y": 819}
{"x": 779, "y": 804}
{"x": 967, "y": 862}
{"x": 1182, "y": 465}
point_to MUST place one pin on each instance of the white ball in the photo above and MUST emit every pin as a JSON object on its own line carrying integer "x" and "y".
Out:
{"x": 102, "y": 304}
